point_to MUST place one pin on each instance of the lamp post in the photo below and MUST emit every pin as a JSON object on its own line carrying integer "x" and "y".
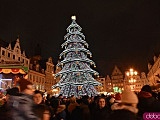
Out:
{"x": 130, "y": 74}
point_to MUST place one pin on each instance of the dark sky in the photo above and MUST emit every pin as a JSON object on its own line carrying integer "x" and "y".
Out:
{"x": 125, "y": 33}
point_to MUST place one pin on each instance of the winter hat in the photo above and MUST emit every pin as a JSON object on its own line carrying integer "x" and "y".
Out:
{"x": 129, "y": 96}
{"x": 146, "y": 88}
{"x": 23, "y": 84}
{"x": 117, "y": 97}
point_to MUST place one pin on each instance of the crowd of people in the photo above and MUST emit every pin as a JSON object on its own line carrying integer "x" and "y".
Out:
{"x": 22, "y": 103}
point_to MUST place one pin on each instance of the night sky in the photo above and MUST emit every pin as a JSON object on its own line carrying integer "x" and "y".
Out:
{"x": 125, "y": 33}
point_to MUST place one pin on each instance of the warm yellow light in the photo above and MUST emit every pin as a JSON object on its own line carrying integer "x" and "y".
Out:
{"x": 135, "y": 72}
{"x": 127, "y": 73}
{"x": 131, "y": 72}
{"x": 132, "y": 80}
{"x": 73, "y": 17}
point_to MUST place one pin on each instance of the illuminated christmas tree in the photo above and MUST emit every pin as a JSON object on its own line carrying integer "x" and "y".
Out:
{"x": 76, "y": 75}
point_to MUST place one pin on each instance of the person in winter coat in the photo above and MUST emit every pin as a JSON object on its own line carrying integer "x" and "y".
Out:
{"x": 58, "y": 110}
{"x": 147, "y": 103}
{"x": 81, "y": 110}
{"x": 77, "y": 113}
{"x": 4, "y": 109}
{"x": 40, "y": 109}
{"x": 101, "y": 112}
{"x": 72, "y": 105}
{"x": 126, "y": 109}
{"x": 20, "y": 106}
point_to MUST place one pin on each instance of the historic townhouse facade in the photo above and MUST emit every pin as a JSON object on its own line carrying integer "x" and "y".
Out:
{"x": 38, "y": 79}
{"x": 12, "y": 53}
{"x": 138, "y": 83}
{"x": 13, "y": 62}
{"x": 49, "y": 72}
{"x": 109, "y": 87}
{"x": 154, "y": 71}
{"x": 36, "y": 74}
{"x": 39, "y": 72}
{"x": 118, "y": 80}
{"x": 101, "y": 88}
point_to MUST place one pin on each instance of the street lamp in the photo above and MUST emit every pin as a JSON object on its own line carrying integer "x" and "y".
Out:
{"x": 131, "y": 73}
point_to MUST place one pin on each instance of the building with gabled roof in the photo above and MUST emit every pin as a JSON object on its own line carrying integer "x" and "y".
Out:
{"x": 13, "y": 62}
{"x": 117, "y": 79}
{"x": 154, "y": 72}
{"x": 11, "y": 52}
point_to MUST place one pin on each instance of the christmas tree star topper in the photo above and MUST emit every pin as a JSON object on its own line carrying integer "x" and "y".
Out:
{"x": 73, "y": 17}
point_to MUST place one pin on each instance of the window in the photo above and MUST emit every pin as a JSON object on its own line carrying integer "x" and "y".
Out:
{"x": 19, "y": 58}
{"x": 40, "y": 80}
{"x": 9, "y": 54}
{"x": 13, "y": 56}
{"x": 33, "y": 78}
{"x": 3, "y": 52}
{"x": 36, "y": 78}
{"x": 26, "y": 61}
{"x": 30, "y": 77}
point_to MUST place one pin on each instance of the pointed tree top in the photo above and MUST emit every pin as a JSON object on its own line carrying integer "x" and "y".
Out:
{"x": 73, "y": 17}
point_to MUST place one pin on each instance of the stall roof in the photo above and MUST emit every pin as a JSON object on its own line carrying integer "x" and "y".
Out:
{"x": 13, "y": 68}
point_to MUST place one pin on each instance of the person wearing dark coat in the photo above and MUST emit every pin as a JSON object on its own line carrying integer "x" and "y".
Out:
{"x": 20, "y": 106}
{"x": 101, "y": 112}
{"x": 84, "y": 108}
{"x": 81, "y": 111}
{"x": 126, "y": 109}
{"x": 57, "y": 110}
{"x": 147, "y": 103}
{"x": 93, "y": 104}
{"x": 3, "y": 106}
{"x": 77, "y": 113}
